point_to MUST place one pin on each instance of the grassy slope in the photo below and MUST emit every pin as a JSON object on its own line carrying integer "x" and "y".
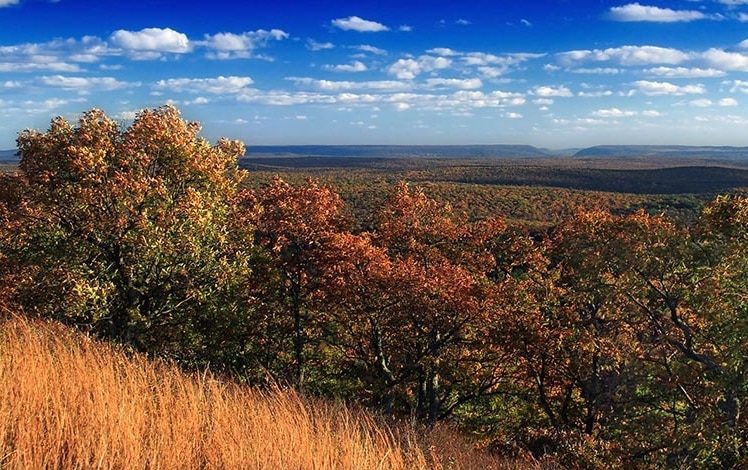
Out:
{"x": 70, "y": 402}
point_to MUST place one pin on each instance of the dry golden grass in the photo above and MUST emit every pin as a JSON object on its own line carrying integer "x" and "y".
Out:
{"x": 69, "y": 402}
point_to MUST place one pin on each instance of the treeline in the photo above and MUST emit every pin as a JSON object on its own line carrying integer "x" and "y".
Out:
{"x": 608, "y": 340}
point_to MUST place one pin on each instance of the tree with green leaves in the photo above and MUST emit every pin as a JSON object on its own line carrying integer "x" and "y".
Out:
{"x": 128, "y": 231}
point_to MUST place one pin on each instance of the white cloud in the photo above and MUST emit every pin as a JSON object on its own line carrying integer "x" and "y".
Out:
{"x": 198, "y": 100}
{"x": 613, "y": 113}
{"x": 83, "y": 84}
{"x": 371, "y": 49}
{"x": 511, "y": 115}
{"x": 743, "y": 17}
{"x": 598, "y": 71}
{"x": 525, "y": 22}
{"x": 637, "y": 12}
{"x": 355, "y": 23}
{"x": 443, "y": 51}
{"x": 151, "y": 40}
{"x": 217, "y": 86}
{"x": 561, "y": 91}
{"x": 5, "y": 3}
{"x": 43, "y": 65}
{"x": 727, "y": 102}
{"x": 733, "y": 61}
{"x": 701, "y": 103}
{"x": 594, "y": 94}
{"x": 651, "y": 113}
{"x": 313, "y": 45}
{"x": 482, "y": 58}
{"x": 463, "y": 84}
{"x": 737, "y": 86}
{"x": 356, "y": 66}
{"x": 684, "y": 72}
{"x": 405, "y": 28}
{"x": 626, "y": 55}
{"x": 127, "y": 115}
{"x": 230, "y": 45}
{"x": 462, "y": 22}
{"x": 408, "y": 69}
{"x": 344, "y": 85}
{"x": 665, "y": 88}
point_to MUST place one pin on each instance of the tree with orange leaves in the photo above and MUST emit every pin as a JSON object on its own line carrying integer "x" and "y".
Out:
{"x": 293, "y": 224}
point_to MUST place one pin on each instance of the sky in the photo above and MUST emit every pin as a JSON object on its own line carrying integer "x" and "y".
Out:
{"x": 552, "y": 73}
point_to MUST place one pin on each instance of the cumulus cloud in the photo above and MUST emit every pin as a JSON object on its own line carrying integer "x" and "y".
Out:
{"x": 594, "y": 94}
{"x": 613, "y": 113}
{"x": 39, "y": 64}
{"x": 6, "y": 3}
{"x": 701, "y": 103}
{"x": 231, "y": 45}
{"x": 217, "y": 86}
{"x": 724, "y": 60}
{"x": 546, "y": 91}
{"x": 597, "y": 71}
{"x": 737, "y": 86}
{"x": 59, "y": 55}
{"x": 85, "y": 84}
{"x": 464, "y": 84}
{"x": 355, "y": 23}
{"x": 356, "y": 66}
{"x": 665, "y": 88}
{"x": 313, "y": 45}
{"x": 684, "y": 72}
{"x": 637, "y": 12}
{"x": 728, "y": 102}
{"x": 370, "y": 49}
{"x": 408, "y": 69}
{"x": 626, "y": 55}
{"x": 651, "y": 113}
{"x": 345, "y": 85}
{"x": 151, "y": 40}
{"x": 443, "y": 51}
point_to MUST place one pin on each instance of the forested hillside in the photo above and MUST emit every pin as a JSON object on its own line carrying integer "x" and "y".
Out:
{"x": 605, "y": 338}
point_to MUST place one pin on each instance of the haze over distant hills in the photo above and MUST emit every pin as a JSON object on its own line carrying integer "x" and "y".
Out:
{"x": 480, "y": 151}
{"x": 663, "y": 151}
{"x": 8, "y": 156}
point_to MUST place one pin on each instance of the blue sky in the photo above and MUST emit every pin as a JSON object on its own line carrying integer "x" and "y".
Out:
{"x": 552, "y": 73}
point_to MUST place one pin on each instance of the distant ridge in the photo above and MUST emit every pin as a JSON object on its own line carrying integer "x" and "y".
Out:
{"x": 8, "y": 156}
{"x": 663, "y": 151}
{"x": 399, "y": 151}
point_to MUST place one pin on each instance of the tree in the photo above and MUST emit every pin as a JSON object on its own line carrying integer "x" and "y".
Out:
{"x": 127, "y": 231}
{"x": 412, "y": 299}
{"x": 293, "y": 224}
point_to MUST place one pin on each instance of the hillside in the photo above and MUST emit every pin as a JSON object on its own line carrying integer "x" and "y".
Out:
{"x": 70, "y": 402}
{"x": 664, "y": 151}
{"x": 8, "y": 156}
{"x": 401, "y": 151}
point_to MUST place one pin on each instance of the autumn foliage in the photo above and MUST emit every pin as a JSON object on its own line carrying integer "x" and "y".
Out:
{"x": 609, "y": 340}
